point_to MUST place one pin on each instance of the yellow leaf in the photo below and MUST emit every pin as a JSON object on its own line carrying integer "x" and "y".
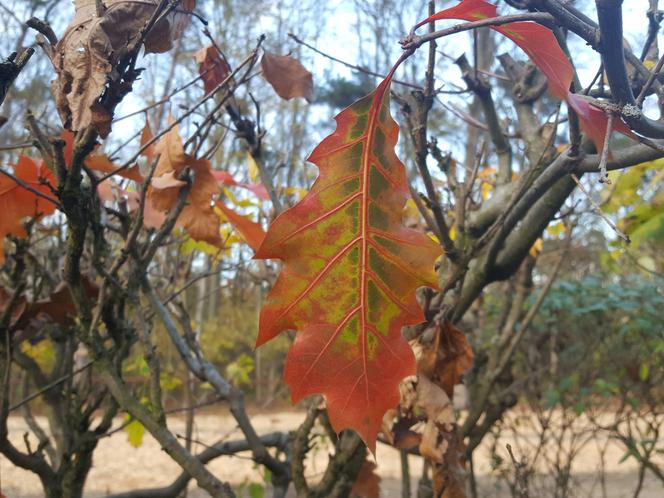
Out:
{"x": 298, "y": 192}
{"x": 556, "y": 229}
{"x": 536, "y": 249}
{"x": 252, "y": 168}
{"x": 135, "y": 431}
{"x": 190, "y": 245}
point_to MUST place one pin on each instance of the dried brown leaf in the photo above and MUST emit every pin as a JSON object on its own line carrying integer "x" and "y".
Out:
{"x": 5, "y": 298}
{"x": 435, "y": 403}
{"x": 443, "y": 355}
{"x": 287, "y": 76}
{"x": 198, "y": 217}
{"x": 367, "y": 484}
{"x": 212, "y": 67}
{"x": 91, "y": 48}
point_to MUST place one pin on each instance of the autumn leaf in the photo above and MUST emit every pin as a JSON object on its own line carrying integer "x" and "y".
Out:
{"x": 350, "y": 272}
{"x": 542, "y": 47}
{"x": 287, "y": 76}
{"x": 98, "y": 162}
{"x": 146, "y": 138}
{"x": 5, "y": 298}
{"x": 18, "y": 203}
{"x": 198, "y": 217}
{"x": 59, "y": 305}
{"x": 212, "y": 67}
{"x": 101, "y": 162}
{"x": 367, "y": 484}
{"x": 594, "y": 121}
{"x": 135, "y": 431}
{"x": 93, "y": 45}
{"x": 225, "y": 178}
{"x": 251, "y": 232}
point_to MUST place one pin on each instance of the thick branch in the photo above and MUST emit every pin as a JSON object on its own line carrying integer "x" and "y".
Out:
{"x": 164, "y": 437}
{"x": 273, "y": 439}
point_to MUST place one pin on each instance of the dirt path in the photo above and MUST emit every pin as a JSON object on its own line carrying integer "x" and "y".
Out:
{"x": 120, "y": 467}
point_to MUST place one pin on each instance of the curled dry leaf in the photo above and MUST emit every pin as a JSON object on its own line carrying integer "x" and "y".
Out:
{"x": 449, "y": 478}
{"x": 198, "y": 217}
{"x": 404, "y": 436}
{"x": 146, "y": 138}
{"x": 435, "y": 403}
{"x": 92, "y": 47}
{"x": 287, "y": 76}
{"x": 443, "y": 354}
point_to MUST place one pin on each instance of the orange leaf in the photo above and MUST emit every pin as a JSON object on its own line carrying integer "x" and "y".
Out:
{"x": 225, "y": 178}
{"x": 146, "y": 137}
{"x": 17, "y": 203}
{"x": 448, "y": 358}
{"x": 198, "y": 217}
{"x": 350, "y": 272}
{"x": 97, "y": 162}
{"x": 101, "y": 162}
{"x": 287, "y": 76}
{"x": 212, "y": 67}
{"x": 250, "y": 231}
{"x": 167, "y": 180}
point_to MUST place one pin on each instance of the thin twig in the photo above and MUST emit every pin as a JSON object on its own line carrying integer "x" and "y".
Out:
{"x": 176, "y": 122}
{"x": 50, "y": 386}
{"x": 598, "y": 210}
{"x": 21, "y": 183}
{"x": 604, "y": 177}
{"x": 653, "y": 74}
{"x": 352, "y": 66}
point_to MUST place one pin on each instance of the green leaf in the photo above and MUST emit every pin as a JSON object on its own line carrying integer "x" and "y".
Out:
{"x": 653, "y": 229}
{"x": 256, "y": 490}
{"x": 238, "y": 371}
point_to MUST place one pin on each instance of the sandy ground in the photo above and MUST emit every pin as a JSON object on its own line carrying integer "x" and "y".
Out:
{"x": 120, "y": 467}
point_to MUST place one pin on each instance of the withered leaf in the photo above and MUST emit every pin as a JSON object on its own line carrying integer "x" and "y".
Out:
{"x": 367, "y": 484}
{"x": 198, "y": 217}
{"x": 212, "y": 67}
{"x": 287, "y": 76}
{"x": 446, "y": 358}
{"x": 5, "y": 299}
{"x": 92, "y": 46}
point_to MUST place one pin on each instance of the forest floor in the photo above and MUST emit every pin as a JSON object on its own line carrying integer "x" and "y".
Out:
{"x": 118, "y": 466}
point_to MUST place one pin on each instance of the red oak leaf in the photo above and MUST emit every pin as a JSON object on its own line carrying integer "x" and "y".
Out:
{"x": 350, "y": 272}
